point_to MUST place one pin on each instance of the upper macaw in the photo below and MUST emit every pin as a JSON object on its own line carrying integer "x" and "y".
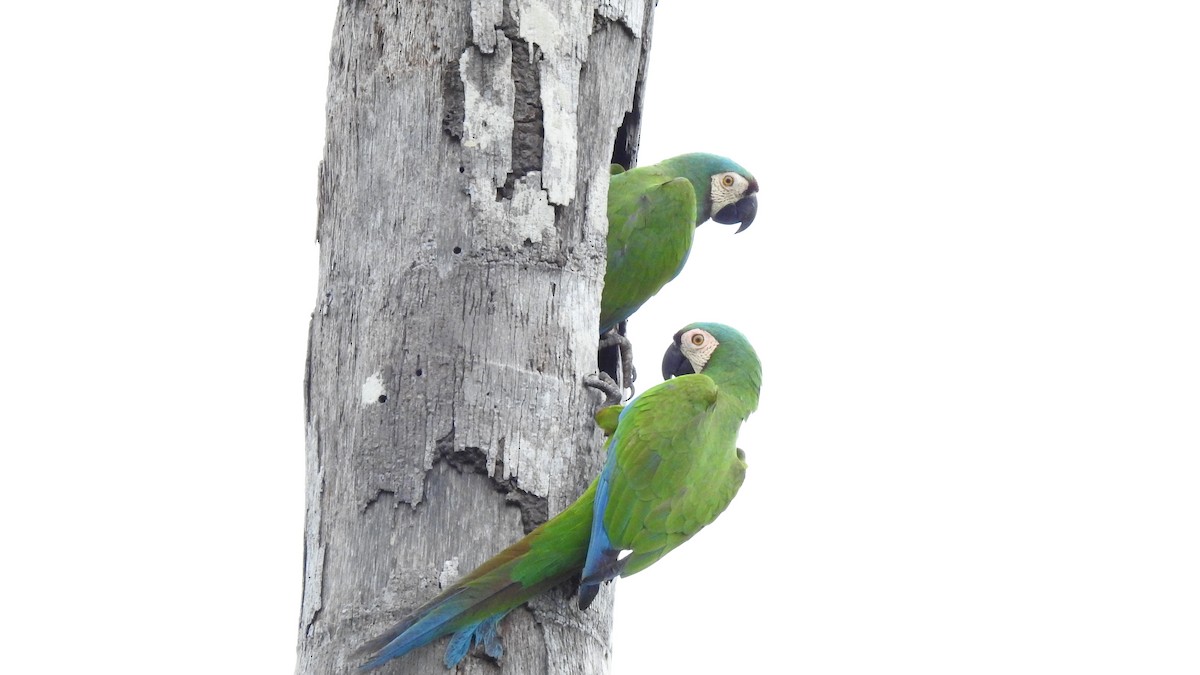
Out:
{"x": 673, "y": 465}
{"x": 653, "y": 212}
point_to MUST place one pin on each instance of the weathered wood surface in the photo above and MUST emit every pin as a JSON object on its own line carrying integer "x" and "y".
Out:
{"x": 461, "y": 225}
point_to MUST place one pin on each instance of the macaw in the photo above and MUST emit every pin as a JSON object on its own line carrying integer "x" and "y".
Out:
{"x": 653, "y": 212}
{"x": 673, "y": 466}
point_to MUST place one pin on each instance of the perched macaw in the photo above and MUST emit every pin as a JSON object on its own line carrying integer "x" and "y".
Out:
{"x": 653, "y": 212}
{"x": 673, "y": 465}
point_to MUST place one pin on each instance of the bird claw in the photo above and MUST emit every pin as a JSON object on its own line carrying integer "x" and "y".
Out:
{"x": 605, "y": 384}
{"x": 483, "y": 634}
{"x": 487, "y": 636}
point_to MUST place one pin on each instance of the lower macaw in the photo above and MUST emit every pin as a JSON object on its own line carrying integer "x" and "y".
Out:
{"x": 673, "y": 466}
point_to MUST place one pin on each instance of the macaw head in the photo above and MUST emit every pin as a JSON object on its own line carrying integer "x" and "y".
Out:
{"x": 725, "y": 191}
{"x": 701, "y": 346}
{"x": 720, "y": 352}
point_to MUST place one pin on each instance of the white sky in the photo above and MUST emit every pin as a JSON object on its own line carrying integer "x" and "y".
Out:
{"x": 973, "y": 283}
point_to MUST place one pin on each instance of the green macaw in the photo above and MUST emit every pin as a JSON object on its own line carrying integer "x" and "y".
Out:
{"x": 673, "y": 466}
{"x": 653, "y": 212}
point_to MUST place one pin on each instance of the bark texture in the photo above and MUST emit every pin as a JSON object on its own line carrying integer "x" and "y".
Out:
{"x": 462, "y": 223}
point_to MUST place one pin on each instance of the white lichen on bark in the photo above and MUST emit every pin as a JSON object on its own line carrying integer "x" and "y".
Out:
{"x": 372, "y": 389}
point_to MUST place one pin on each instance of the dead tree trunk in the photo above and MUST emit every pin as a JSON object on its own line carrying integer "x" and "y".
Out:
{"x": 462, "y": 223}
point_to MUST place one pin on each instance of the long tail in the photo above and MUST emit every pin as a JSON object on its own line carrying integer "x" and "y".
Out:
{"x": 471, "y": 608}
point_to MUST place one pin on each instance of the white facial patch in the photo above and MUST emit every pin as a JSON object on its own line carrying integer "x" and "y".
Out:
{"x": 726, "y": 188}
{"x": 697, "y": 346}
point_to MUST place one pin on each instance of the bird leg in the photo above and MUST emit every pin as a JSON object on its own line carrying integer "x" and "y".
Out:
{"x": 616, "y": 338}
{"x": 614, "y": 358}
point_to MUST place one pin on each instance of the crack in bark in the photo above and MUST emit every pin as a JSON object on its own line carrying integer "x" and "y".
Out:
{"x": 454, "y": 103}
{"x": 529, "y": 135}
{"x": 534, "y": 509}
{"x": 625, "y": 145}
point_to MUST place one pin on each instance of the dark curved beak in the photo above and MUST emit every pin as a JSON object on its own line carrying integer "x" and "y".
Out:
{"x": 675, "y": 363}
{"x": 741, "y": 211}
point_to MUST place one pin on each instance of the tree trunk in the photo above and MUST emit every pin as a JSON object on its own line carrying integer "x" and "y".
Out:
{"x": 462, "y": 223}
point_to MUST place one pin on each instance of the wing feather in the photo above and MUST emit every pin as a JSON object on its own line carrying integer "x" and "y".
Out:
{"x": 672, "y": 470}
{"x": 651, "y": 221}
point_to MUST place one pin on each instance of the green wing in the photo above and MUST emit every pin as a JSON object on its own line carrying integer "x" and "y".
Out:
{"x": 676, "y": 469}
{"x": 651, "y": 222}
{"x": 608, "y": 417}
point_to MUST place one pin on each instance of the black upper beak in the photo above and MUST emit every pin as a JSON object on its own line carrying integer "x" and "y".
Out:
{"x": 675, "y": 363}
{"x": 741, "y": 211}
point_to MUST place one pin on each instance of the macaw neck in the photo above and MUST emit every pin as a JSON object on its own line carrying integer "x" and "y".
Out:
{"x": 738, "y": 383}
{"x": 703, "y": 203}
{"x": 699, "y": 175}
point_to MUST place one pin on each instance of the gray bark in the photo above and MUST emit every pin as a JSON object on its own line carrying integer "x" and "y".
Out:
{"x": 461, "y": 225}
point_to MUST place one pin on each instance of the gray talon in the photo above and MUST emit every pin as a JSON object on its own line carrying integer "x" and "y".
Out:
{"x": 606, "y": 385}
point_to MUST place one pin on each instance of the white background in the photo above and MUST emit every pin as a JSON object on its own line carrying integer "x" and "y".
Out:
{"x": 973, "y": 283}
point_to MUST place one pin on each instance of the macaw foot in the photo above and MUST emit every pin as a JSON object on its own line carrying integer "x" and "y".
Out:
{"x": 483, "y": 633}
{"x": 614, "y": 338}
{"x": 605, "y": 384}
{"x": 609, "y": 567}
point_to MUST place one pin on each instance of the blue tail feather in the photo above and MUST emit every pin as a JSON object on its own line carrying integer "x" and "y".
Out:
{"x": 459, "y": 644}
{"x": 433, "y": 625}
{"x": 417, "y": 634}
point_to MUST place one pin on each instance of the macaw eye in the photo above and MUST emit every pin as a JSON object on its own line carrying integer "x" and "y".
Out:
{"x": 727, "y": 180}
{"x": 698, "y": 339}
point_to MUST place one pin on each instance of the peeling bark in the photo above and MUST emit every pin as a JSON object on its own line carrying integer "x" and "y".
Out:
{"x": 462, "y": 221}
